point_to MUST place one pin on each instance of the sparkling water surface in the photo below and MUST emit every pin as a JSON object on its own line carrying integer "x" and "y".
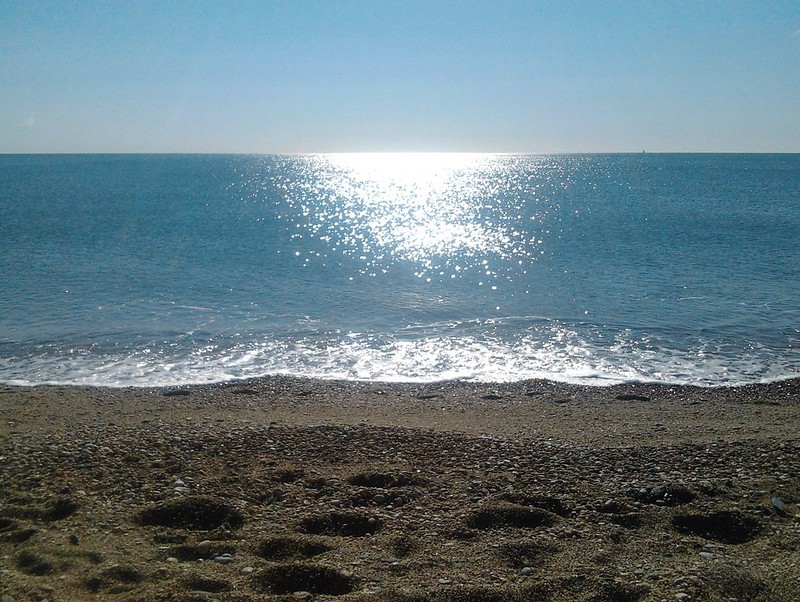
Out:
{"x": 167, "y": 269}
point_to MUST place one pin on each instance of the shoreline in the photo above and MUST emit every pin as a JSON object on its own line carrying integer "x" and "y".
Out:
{"x": 285, "y": 488}
{"x": 599, "y": 383}
{"x": 596, "y": 415}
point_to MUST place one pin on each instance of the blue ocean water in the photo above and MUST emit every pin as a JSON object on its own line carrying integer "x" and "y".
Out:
{"x": 166, "y": 269}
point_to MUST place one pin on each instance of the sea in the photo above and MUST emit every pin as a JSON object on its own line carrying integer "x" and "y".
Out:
{"x": 165, "y": 270}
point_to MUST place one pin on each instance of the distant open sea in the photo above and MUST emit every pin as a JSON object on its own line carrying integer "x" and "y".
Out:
{"x": 598, "y": 269}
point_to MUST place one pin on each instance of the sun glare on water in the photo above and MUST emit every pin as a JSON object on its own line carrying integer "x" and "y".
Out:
{"x": 418, "y": 169}
{"x": 421, "y": 207}
{"x": 441, "y": 215}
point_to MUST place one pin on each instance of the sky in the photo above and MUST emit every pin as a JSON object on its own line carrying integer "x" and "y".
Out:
{"x": 304, "y": 76}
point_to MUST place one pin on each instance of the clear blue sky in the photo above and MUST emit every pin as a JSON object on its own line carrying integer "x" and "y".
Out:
{"x": 403, "y": 75}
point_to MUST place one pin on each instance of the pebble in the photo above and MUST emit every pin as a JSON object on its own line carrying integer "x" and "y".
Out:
{"x": 247, "y": 570}
{"x": 707, "y": 555}
{"x": 172, "y": 559}
{"x": 526, "y": 571}
{"x": 224, "y": 558}
{"x": 204, "y": 547}
{"x": 779, "y": 506}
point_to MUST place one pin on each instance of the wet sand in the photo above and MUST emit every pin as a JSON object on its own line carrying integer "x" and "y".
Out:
{"x": 292, "y": 489}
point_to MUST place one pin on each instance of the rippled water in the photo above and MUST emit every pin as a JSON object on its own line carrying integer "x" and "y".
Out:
{"x": 125, "y": 269}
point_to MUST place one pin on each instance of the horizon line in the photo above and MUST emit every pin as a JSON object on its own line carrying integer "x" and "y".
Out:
{"x": 314, "y": 153}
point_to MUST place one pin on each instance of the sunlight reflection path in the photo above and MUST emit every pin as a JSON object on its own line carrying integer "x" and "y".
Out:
{"x": 447, "y": 213}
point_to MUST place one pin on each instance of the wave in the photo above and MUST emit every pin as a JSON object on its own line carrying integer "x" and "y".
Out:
{"x": 565, "y": 355}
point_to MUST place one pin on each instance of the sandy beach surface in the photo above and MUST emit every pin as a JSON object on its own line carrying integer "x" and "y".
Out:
{"x": 296, "y": 489}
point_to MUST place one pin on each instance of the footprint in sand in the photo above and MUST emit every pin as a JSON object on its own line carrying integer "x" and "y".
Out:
{"x": 315, "y": 579}
{"x": 347, "y": 524}
{"x": 192, "y": 513}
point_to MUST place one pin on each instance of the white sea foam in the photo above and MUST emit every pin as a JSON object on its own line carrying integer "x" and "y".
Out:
{"x": 565, "y": 358}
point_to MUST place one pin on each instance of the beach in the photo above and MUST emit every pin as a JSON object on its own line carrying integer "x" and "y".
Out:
{"x": 286, "y": 488}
